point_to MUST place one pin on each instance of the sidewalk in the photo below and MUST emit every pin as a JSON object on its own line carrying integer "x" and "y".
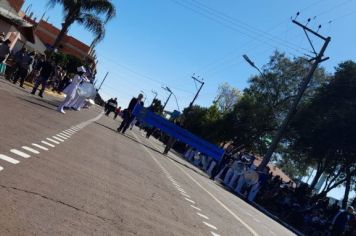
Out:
{"x": 30, "y": 85}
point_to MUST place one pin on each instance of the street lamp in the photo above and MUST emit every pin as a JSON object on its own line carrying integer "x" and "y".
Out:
{"x": 170, "y": 94}
{"x": 252, "y": 64}
{"x": 155, "y": 93}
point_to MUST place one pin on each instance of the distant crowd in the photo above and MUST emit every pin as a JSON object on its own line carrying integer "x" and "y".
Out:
{"x": 295, "y": 204}
{"x": 42, "y": 70}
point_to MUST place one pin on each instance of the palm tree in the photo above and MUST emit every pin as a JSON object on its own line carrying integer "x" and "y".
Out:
{"x": 87, "y": 13}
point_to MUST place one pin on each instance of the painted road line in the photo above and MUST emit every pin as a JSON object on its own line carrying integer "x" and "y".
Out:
{"x": 214, "y": 234}
{"x": 47, "y": 143}
{"x": 182, "y": 190}
{"x": 69, "y": 131}
{"x": 59, "y": 139}
{"x": 203, "y": 216}
{"x": 210, "y": 225}
{"x": 53, "y": 141}
{"x": 40, "y": 147}
{"x": 19, "y": 153}
{"x": 1, "y": 168}
{"x": 189, "y": 200}
{"x": 217, "y": 200}
{"x": 64, "y": 135}
{"x": 61, "y": 136}
{"x": 185, "y": 195}
{"x": 9, "y": 159}
{"x": 196, "y": 208}
{"x": 30, "y": 150}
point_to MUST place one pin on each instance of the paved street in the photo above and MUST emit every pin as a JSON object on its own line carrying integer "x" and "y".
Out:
{"x": 73, "y": 174}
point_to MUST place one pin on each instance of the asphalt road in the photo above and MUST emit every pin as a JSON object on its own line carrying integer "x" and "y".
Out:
{"x": 73, "y": 174}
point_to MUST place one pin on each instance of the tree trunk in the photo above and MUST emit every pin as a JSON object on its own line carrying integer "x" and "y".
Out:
{"x": 317, "y": 176}
{"x": 347, "y": 189}
{"x": 69, "y": 20}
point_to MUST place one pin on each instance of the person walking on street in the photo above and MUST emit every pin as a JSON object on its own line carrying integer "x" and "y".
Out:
{"x": 25, "y": 67}
{"x": 4, "y": 52}
{"x": 111, "y": 106}
{"x": 128, "y": 116}
{"x": 47, "y": 70}
{"x": 71, "y": 89}
{"x": 340, "y": 221}
{"x": 117, "y": 112}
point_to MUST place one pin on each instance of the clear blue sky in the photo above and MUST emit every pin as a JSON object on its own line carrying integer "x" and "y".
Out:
{"x": 163, "y": 42}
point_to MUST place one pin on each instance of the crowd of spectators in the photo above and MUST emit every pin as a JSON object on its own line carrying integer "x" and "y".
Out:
{"x": 293, "y": 203}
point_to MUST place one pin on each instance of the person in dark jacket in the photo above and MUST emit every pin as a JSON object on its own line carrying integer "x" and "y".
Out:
{"x": 340, "y": 221}
{"x": 47, "y": 69}
{"x": 111, "y": 106}
{"x": 128, "y": 116}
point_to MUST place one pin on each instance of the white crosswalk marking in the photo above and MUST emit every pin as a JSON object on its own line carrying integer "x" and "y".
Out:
{"x": 203, "y": 216}
{"x": 47, "y": 143}
{"x": 210, "y": 225}
{"x": 59, "y": 139}
{"x": 19, "y": 153}
{"x": 40, "y": 147}
{"x": 31, "y": 150}
{"x": 9, "y": 159}
{"x": 53, "y": 141}
{"x": 61, "y": 136}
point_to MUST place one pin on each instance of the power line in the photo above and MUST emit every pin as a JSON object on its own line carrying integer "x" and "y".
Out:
{"x": 244, "y": 25}
{"x": 141, "y": 75}
{"x": 238, "y": 27}
{"x": 226, "y": 56}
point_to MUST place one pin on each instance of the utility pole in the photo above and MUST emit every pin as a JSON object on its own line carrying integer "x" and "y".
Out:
{"x": 103, "y": 81}
{"x": 155, "y": 93}
{"x": 196, "y": 95}
{"x": 303, "y": 86}
{"x": 170, "y": 94}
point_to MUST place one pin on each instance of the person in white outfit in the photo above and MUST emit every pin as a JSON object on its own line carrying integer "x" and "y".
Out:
{"x": 79, "y": 100}
{"x": 71, "y": 89}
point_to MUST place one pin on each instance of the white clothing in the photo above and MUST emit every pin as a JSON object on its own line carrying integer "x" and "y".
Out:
{"x": 71, "y": 91}
{"x": 79, "y": 103}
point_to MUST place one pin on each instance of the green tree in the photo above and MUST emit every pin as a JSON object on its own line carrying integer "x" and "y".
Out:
{"x": 264, "y": 104}
{"x": 324, "y": 129}
{"x": 87, "y": 13}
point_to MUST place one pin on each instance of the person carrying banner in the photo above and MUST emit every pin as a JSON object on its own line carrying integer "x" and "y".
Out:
{"x": 128, "y": 116}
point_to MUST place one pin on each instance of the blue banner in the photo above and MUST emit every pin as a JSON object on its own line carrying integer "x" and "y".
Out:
{"x": 183, "y": 135}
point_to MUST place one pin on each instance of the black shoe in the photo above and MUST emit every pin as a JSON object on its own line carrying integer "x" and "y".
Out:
{"x": 41, "y": 95}
{"x": 33, "y": 93}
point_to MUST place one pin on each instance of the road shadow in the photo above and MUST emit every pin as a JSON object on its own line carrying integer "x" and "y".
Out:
{"x": 157, "y": 151}
{"x": 129, "y": 137}
{"x": 38, "y": 104}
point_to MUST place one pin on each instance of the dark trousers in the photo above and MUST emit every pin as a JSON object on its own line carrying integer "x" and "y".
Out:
{"x": 109, "y": 110}
{"x": 22, "y": 73}
{"x": 128, "y": 118}
{"x": 40, "y": 81}
{"x": 169, "y": 145}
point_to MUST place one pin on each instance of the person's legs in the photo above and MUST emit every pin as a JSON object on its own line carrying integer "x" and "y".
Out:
{"x": 123, "y": 122}
{"x": 23, "y": 75}
{"x": 127, "y": 124}
{"x": 37, "y": 83}
{"x": 169, "y": 145}
{"x": 64, "y": 103}
{"x": 43, "y": 86}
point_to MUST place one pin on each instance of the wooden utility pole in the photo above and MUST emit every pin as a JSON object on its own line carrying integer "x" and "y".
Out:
{"x": 303, "y": 86}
